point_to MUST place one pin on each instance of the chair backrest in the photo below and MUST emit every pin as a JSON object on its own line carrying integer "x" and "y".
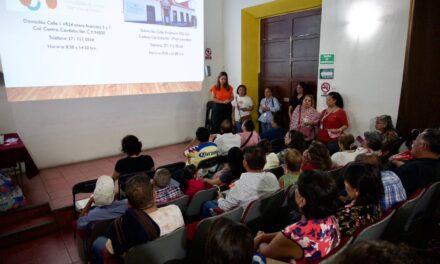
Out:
{"x": 168, "y": 247}
{"x": 335, "y": 252}
{"x": 422, "y": 205}
{"x": 82, "y": 187}
{"x": 278, "y": 171}
{"x": 201, "y": 233}
{"x": 208, "y": 163}
{"x": 277, "y": 144}
{"x": 195, "y": 206}
{"x": 263, "y": 206}
{"x": 173, "y": 167}
{"x": 181, "y": 202}
{"x": 376, "y": 230}
{"x": 401, "y": 219}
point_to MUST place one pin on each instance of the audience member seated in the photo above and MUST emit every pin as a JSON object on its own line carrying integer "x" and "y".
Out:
{"x": 317, "y": 233}
{"x": 249, "y": 137}
{"x": 231, "y": 171}
{"x": 393, "y": 188}
{"x": 142, "y": 222}
{"x": 271, "y": 158}
{"x": 292, "y": 166}
{"x": 425, "y": 167}
{"x": 364, "y": 188}
{"x": 316, "y": 157}
{"x": 230, "y": 242}
{"x": 384, "y": 252}
{"x": 134, "y": 162}
{"x": 200, "y": 148}
{"x": 347, "y": 151}
{"x": 194, "y": 182}
{"x": 106, "y": 207}
{"x": 163, "y": 190}
{"x": 252, "y": 184}
{"x": 277, "y": 131}
{"x": 372, "y": 142}
{"x": 226, "y": 140}
{"x": 384, "y": 126}
{"x": 293, "y": 140}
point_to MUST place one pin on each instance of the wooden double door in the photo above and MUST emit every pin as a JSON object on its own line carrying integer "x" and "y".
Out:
{"x": 289, "y": 54}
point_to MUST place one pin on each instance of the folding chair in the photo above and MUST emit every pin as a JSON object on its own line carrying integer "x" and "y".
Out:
{"x": 195, "y": 206}
{"x": 374, "y": 231}
{"x": 259, "y": 215}
{"x": 168, "y": 247}
{"x": 201, "y": 233}
{"x": 176, "y": 170}
{"x": 402, "y": 218}
{"x": 181, "y": 202}
{"x": 84, "y": 243}
{"x": 82, "y": 187}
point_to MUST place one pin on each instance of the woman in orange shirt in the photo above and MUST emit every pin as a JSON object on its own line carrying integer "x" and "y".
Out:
{"x": 221, "y": 95}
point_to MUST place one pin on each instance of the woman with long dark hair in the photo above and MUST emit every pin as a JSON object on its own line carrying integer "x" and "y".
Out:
{"x": 222, "y": 96}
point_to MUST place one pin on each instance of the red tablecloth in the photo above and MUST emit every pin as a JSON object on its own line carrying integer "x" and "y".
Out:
{"x": 11, "y": 153}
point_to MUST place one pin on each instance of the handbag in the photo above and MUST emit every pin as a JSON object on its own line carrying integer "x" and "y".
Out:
{"x": 305, "y": 130}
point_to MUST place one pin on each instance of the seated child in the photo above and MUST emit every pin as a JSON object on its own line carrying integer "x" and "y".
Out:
{"x": 163, "y": 189}
{"x": 292, "y": 166}
{"x": 194, "y": 182}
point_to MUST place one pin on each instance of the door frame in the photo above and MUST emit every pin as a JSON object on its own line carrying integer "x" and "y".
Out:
{"x": 250, "y": 38}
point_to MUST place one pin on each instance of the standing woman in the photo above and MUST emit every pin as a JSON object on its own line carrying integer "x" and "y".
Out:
{"x": 305, "y": 118}
{"x": 242, "y": 106}
{"x": 268, "y": 106}
{"x": 333, "y": 122}
{"x": 222, "y": 95}
{"x": 297, "y": 98}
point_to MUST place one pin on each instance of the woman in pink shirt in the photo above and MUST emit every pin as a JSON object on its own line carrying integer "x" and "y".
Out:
{"x": 249, "y": 137}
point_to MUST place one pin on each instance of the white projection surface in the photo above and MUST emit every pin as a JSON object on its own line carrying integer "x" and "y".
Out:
{"x": 59, "y": 43}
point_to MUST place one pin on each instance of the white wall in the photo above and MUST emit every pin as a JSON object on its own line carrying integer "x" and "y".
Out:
{"x": 65, "y": 131}
{"x": 232, "y": 37}
{"x": 368, "y": 70}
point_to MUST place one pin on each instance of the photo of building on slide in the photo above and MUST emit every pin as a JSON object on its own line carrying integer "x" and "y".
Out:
{"x": 162, "y": 12}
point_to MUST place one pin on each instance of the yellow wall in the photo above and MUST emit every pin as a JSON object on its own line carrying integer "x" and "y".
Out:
{"x": 250, "y": 37}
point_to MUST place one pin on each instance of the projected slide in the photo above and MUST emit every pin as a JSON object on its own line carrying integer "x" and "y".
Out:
{"x": 54, "y": 49}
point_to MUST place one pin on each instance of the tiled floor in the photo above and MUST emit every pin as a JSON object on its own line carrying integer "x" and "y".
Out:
{"x": 56, "y": 248}
{"x": 54, "y": 185}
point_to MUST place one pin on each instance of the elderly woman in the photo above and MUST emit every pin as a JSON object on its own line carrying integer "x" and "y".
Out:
{"x": 317, "y": 233}
{"x": 333, "y": 122}
{"x": 293, "y": 140}
{"x": 384, "y": 126}
{"x": 364, "y": 188}
{"x": 269, "y": 105}
{"x": 305, "y": 118}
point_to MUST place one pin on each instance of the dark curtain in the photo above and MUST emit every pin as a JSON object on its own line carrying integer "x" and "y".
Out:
{"x": 420, "y": 98}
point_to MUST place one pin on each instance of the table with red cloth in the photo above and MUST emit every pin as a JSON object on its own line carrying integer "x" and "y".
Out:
{"x": 16, "y": 152}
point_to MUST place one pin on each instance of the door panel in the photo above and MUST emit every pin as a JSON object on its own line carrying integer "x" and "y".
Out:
{"x": 289, "y": 54}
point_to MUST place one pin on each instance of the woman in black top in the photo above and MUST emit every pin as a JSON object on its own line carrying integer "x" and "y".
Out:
{"x": 134, "y": 162}
{"x": 297, "y": 98}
